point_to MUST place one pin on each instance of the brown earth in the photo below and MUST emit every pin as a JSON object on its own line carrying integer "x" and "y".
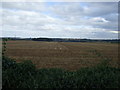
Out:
{"x": 67, "y": 55}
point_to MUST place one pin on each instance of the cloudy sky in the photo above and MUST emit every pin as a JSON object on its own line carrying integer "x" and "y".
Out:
{"x": 96, "y": 20}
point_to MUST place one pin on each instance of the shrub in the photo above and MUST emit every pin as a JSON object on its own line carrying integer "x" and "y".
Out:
{"x": 25, "y": 75}
{"x": 17, "y": 75}
{"x": 8, "y": 63}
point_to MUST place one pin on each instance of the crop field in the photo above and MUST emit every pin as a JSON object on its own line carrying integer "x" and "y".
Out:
{"x": 67, "y": 55}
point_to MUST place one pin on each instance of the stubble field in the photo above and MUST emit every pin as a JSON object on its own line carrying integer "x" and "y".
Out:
{"x": 67, "y": 55}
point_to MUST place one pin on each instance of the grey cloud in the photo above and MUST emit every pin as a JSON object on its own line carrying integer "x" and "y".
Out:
{"x": 89, "y": 9}
{"x": 28, "y": 6}
{"x": 88, "y": 20}
{"x": 100, "y": 9}
{"x": 76, "y": 14}
{"x": 106, "y": 35}
{"x": 112, "y": 17}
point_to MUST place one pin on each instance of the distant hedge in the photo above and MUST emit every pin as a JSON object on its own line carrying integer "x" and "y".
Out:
{"x": 25, "y": 75}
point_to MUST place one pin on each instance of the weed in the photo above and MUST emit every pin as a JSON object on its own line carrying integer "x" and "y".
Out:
{"x": 4, "y": 46}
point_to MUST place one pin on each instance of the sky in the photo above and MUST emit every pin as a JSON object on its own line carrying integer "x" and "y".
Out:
{"x": 92, "y": 20}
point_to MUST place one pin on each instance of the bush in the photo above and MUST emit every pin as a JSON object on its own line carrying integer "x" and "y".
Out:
{"x": 8, "y": 63}
{"x": 25, "y": 75}
{"x": 17, "y": 75}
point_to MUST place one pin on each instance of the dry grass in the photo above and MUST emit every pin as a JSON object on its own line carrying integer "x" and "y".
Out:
{"x": 67, "y": 55}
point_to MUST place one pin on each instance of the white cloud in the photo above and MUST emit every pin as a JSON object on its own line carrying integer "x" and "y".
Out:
{"x": 78, "y": 20}
{"x": 29, "y": 6}
{"x": 99, "y": 19}
{"x": 115, "y": 32}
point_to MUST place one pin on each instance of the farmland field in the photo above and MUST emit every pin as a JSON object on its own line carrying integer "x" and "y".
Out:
{"x": 67, "y": 55}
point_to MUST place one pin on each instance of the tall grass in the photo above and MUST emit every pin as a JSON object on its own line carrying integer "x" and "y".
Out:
{"x": 25, "y": 75}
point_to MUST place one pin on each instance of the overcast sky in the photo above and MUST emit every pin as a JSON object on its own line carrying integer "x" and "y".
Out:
{"x": 96, "y": 20}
